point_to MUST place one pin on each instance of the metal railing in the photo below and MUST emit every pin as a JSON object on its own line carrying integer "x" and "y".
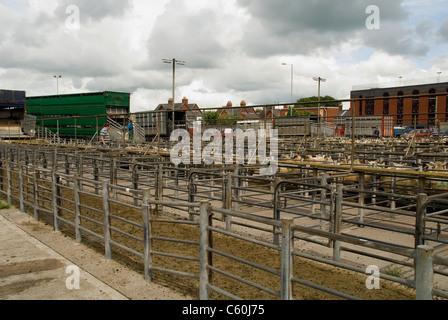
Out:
{"x": 121, "y": 203}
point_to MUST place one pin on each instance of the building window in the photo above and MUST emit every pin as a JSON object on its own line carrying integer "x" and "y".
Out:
{"x": 432, "y": 109}
{"x": 400, "y": 106}
{"x": 370, "y": 107}
{"x": 386, "y": 103}
{"x": 415, "y": 107}
{"x": 446, "y": 116}
{"x": 360, "y": 105}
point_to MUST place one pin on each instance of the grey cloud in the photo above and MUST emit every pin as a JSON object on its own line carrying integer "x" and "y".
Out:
{"x": 286, "y": 16}
{"x": 95, "y": 10}
{"x": 443, "y": 31}
{"x": 301, "y": 27}
{"x": 45, "y": 44}
{"x": 394, "y": 39}
{"x": 425, "y": 28}
{"x": 192, "y": 37}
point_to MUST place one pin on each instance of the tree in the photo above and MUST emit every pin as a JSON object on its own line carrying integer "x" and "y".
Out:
{"x": 292, "y": 112}
{"x": 211, "y": 117}
{"x": 307, "y": 102}
{"x": 306, "y": 113}
{"x": 229, "y": 120}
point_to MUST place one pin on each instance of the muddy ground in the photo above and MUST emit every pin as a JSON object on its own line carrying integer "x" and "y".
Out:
{"x": 335, "y": 278}
{"x": 331, "y": 277}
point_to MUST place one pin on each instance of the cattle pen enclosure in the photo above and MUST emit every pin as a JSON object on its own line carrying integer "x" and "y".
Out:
{"x": 312, "y": 231}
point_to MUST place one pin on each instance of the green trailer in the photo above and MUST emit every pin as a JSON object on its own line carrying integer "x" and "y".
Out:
{"x": 78, "y": 115}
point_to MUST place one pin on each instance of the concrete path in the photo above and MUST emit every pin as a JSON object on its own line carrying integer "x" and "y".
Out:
{"x": 37, "y": 263}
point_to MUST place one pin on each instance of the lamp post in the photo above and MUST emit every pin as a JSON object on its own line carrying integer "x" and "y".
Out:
{"x": 174, "y": 62}
{"x": 319, "y": 80}
{"x": 292, "y": 76}
{"x": 57, "y": 83}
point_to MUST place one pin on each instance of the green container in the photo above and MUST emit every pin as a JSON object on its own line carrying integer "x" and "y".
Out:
{"x": 78, "y": 115}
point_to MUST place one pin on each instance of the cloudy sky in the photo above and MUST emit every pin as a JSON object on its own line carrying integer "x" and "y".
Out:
{"x": 233, "y": 49}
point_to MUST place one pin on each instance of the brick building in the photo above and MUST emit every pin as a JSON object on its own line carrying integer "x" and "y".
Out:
{"x": 243, "y": 111}
{"x": 422, "y": 104}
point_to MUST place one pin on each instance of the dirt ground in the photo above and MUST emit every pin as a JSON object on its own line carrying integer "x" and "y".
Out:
{"x": 331, "y": 277}
{"x": 335, "y": 278}
{"x": 33, "y": 265}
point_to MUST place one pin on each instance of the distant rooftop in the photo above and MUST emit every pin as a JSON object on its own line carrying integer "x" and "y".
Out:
{"x": 401, "y": 82}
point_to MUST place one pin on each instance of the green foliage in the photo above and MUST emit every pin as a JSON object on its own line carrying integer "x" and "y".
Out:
{"x": 307, "y": 102}
{"x": 211, "y": 117}
{"x": 230, "y": 120}
{"x": 306, "y": 113}
{"x": 4, "y": 205}
{"x": 292, "y": 112}
{"x": 394, "y": 271}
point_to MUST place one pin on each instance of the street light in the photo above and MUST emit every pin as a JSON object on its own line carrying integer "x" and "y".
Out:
{"x": 57, "y": 83}
{"x": 174, "y": 62}
{"x": 319, "y": 80}
{"x": 292, "y": 76}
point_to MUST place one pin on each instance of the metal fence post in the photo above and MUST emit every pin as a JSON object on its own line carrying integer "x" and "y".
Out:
{"x": 114, "y": 177}
{"x": 287, "y": 259}
{"x": 204, "y": 257}
{"x": 80, "y": 165}
{"x": 147, "y": 234}
{"x": 176, "y": 184}
{"x": 191, "y": 193}
{"x": 21, "y": 199}
{"x": 159, "y": 186}
{"x": 236, "y": 191}
{"x": 420, "y": 219}
{"x": 424, "y": 273}
{"x": 134, "y": 167}
{"x": 392, "y": 202}
{"x": 106, "y": 220}
{"x": 77, "y": 209}
{"x": 55, "y": 159}
{"x": 8, "y": 182}
{"x": 323, "y": 200}
{"x": 95, "y": 174}
{"x": 276, "y": 216}
{"x": 361, "y": 197}
{"x": 36, "y": 195}
{"x": 228, "y": 199}
{"x": 338, "y": 222}
{"x": 55, "y": 199}
{"x": 67, "y": 168}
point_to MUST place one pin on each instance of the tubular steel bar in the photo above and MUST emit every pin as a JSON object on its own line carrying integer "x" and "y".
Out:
{"x": 44, "y": 180}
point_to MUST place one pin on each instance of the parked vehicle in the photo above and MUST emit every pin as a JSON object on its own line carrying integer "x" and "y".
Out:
{"x": 399, "y": 131}
{"x": 443, "y": 133}
{"x": 418, "y": 133}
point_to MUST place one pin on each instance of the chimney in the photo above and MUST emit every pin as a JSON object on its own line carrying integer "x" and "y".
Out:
{"x": 229, "y": 104}
{"x": 185, "y": 100}
{"x": 243, "y": 103}
{"x": 170, "y": 101}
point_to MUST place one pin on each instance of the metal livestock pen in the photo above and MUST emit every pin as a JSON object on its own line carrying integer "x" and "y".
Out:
{"x": 121, "y": 199}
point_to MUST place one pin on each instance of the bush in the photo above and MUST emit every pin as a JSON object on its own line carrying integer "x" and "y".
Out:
{"x": 4, "y": 205}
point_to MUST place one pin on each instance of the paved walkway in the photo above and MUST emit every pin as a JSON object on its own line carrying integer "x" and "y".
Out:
{"x": 37, "y": 263}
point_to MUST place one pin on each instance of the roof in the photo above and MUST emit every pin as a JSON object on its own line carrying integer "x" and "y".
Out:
{"x": 177, "y": 106}
{"x": 245, "y": 112}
